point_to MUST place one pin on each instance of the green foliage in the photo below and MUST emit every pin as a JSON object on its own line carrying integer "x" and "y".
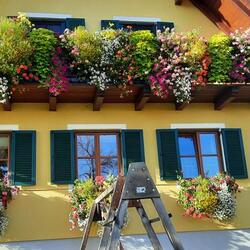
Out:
{"x": 195, "y": 47}
{"x": 207, "y": 197}
{"x": 15, "y": 48}
{"x": 88, "y": 45}
{"x": 220, "y": 51}
{"x": 144, "y": 49}
{"x": 44, "y": 42}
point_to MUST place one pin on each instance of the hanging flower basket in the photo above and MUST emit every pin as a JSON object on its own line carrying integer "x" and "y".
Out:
{"x": 213, "y": 197}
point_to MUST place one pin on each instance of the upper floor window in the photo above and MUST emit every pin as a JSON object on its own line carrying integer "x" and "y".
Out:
{"x": 4, "y": 153}
{"x": 58, "y": 26}
{"x": 152, "y": 26}
{"x": 200, "y": 153}
{"x": 97, "y": 154}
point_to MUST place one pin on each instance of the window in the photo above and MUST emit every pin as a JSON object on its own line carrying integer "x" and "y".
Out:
{"x": 4, "y": 153}
{"x": 97, "y": 154}
{"x": 58, "y": 26}
{"x": 84, "y": 154}
{"x": 200, "y": 153}
{"x": 134, "y": 26}
{"x": 152, "y": 26}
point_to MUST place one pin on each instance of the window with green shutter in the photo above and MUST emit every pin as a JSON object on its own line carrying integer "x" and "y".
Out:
{"x": 168, "y": 153}
{"x": 132, "y": 147}
{"x": 23, "y": 157}
{"x": 234, "y": 153}
{"x": 200, "y": 153}
{"x": 86, "y": 154}
{"x": 62, "y": 157}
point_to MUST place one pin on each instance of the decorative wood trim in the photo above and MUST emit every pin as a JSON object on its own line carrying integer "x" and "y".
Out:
{"x": 7, "y": 106}
{"x": 98, "y": 100}
{"x": 225, "y": 97}
{"x": 142, "y": 99}
{"x": 52, "y": 103}
{"x": 212, "y": 16}
{"x": 178, "y": 2}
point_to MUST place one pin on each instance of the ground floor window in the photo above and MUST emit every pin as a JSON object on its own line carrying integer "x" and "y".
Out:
{"x": 97, "y": 153}
{"x": 200, "y": 153}
{"x": 4, "y": 153}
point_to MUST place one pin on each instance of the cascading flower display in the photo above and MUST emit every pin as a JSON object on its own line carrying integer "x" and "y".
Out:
{"x": 5, "y": 93}
{"x": 7, "y": 192}
{"x": 82, "y": 197}
{"x": 172, "y": 63}
{"x": 58, "y": 82}
{"x": 241, "y": 56}
{"x": 182, "y": 63}
{"x": 213, "y": 197}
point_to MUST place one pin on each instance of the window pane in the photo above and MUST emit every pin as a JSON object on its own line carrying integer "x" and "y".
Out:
{"x": 109, "y": 167}
{"x": 86, "y": 169}
{"x": 108, "y": 145}
{"x": 3, "y": 168}
{"x": 85, "y": 145}
{"x": 210, "y": 165}
{"x": 4, "y": 145}
{"x": 208, "y": 144}
{"x": 186, "y": 145}
{"x": 189, "y": 167}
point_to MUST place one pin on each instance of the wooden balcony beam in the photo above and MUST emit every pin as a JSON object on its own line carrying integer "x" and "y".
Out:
{"x": 225, "y": 97}
{"x": 142, "y": 99}
{"x": 98, "y": 100}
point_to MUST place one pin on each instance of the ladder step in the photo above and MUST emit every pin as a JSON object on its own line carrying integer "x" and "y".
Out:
{"x": 154, "y": 220}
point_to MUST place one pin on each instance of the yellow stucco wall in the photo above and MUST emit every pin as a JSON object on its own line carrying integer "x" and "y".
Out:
{"x": 41, "y": 211}
{"x": 185, "y": 17}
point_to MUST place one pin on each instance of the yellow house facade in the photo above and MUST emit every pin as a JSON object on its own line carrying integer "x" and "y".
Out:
{"x": 40, "y": 211}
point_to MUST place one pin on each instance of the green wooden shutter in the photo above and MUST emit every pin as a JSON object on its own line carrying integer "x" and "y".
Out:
{"x": 163, "y": 25}
{"x": 110, "y": 24}
{"x": 168, "y": 153}
{"x": 234, "y": 153}
{"x": 132, "y": 147}
{"x": 62, "y": 157}
{"x": 72, "y": 23}
{"x": 23, "y": 158}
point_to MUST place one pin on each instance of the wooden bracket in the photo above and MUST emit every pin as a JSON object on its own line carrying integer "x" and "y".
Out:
{"x": 225, "y": 97}
{"x": 52, "y": 103}
{"x": 142, "y": 99}
{"x": 98, "y": 100}
{"x": 178, "y": 2}
{"x": 7, "y": 105}
{"x": 180, "y": 106}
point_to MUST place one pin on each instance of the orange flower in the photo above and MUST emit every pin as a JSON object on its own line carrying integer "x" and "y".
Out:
{"x": 18, "y": 70}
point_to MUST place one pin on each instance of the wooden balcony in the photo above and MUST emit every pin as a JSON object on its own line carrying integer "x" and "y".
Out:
{"x": 219, "y": 95}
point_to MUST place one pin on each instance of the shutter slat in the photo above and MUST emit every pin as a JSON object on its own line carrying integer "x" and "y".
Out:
{"x": 23, "y": 158}
{"x": 168, "y": 153}
{"x": 234, "y": 153}
{"x": 62, "y": 157}
{"x": 132, "y": 147}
